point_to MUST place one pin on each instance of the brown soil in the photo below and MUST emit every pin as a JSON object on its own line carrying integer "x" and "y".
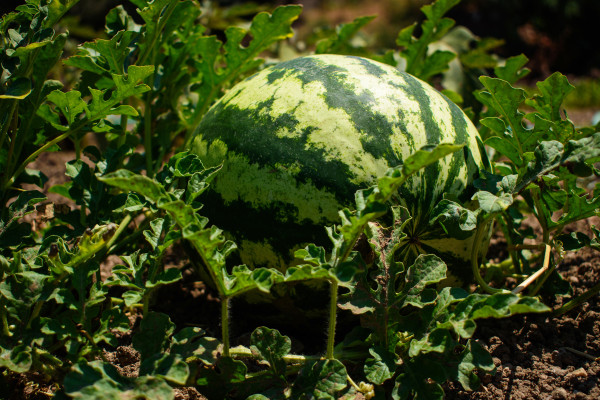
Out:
{"x": 536, "y": 356}
{"x": 544, "y": 357}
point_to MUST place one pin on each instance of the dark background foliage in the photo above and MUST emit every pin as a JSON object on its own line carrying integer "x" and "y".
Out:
{"x": 556, "y": 35}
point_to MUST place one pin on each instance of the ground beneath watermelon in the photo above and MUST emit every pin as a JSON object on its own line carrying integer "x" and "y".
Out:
{"x": 536, "y": 357}
{"x": 540, "y": 357}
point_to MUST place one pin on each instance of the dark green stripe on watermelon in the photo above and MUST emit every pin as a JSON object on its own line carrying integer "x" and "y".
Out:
{"x": 376, "y": 130}
{"x": 235, "y": 217}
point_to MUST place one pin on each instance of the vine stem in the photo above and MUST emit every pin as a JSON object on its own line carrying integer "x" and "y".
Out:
{"x": 5, "y": 126}
{"x": 225, "y": 325}
{"x": 477, "y": 241}
{"x": 240, "y": 351}
{"x": 523, "y": 285}
{"x": 244, "y": 352}
{"x": 35, "y": 154}
{"x": 4, "y": 319}
{"x": 148, "y": 136}
{"x": 333, "y": 297}
{"x": 504, "y": 226}
{"x": 540, "y": 215}
{"x": 577, "y": 301}
{"x": 124, "y": 222}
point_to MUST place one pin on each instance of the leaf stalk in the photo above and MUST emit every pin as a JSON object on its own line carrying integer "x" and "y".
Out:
{"x": 333, "y": 297}
{"x": 577, "y": 301}
{"x": 477, "y": 242}
{"x": 225, "y": 325}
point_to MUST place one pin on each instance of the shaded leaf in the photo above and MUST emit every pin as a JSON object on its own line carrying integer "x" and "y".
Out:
{"x": 169, "y": 367}
{"x": 271, "y": 346}
{"x": 381, "y": 367}
{"x": 153, "y": 336}
{"x": 322, "y": 379}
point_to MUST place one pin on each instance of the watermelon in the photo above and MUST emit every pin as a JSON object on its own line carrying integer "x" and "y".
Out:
{"x": 297, "y": 139}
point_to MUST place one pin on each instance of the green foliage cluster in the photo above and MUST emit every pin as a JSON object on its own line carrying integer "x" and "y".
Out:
{"x": 144, "y": 89}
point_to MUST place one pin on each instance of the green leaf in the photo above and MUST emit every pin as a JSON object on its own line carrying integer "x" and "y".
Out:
{"x": 427, "y": 269}
{"x": 208, "y": 351}
{"x": 419, "y": 380}
{"x": 111, "y": 321}
{"x": 17, "y": 359}
{"x": 129, "y": 181}
{"x": 505, "y": 100}
{"x": 117, "y": 20}
{"x": 498, "y": 305}
{"x": 169, "y": 367}
{"x": 457, "y": 221}
{"x": 576, "y": 241}
{"x": 506, "y": 147}
{"x": 153, "y": 235}
{"x": 155, "y": 14}
{"x": 265, "y": 30}
{"x": 585, "y": 150}
{"x": 553, "y": 92}
{"x": 271, "y": 346}
{"x": 513, "y": 70}
{"x": 232, "y": 371}
{"x": 496, "y": 124}
{"x": 307, "y": 272}
{"x": 436, "y": 63}
{"x": 437, "y": 340}
{"x": 381, "y": 367}
{"x": 322, "y": 379}
{"x": 243, "y": 279}
{"x": 492, "y": 204}
{"x": 90, "y": 243}
{"x": 579, "y": 206}
{"x": 18, "y": 89}
{"x": 102, "y": 56}
{"x": 340, "y": 42}
{"x": 394, "y": 289}
{"x": 473, "y": 357}
{"x": 549, "y": 155}
{"x": 56, "y": 9}
{"x": 427, "y": 156}
{"x": 192, "y": 342}
{"x": 101, "y": 381}
{"x": 11, "y": 231}
{"x": 23, "y": 288}
{"x": 153, "y": 336}
{"x": 70, "y": 104}
{"x": 418, "y": 62}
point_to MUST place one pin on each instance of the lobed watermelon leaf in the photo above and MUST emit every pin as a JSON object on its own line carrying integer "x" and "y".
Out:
{"x": 340, "y": 41}
{"x": 265, "y": 30}
{"x": 321, "y": 379}
{"x": 418, "y": 62}
{"x": 100, "y": 380}
{"x": 271, "y": 346}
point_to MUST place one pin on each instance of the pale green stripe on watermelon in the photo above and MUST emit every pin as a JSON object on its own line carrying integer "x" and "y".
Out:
{"x": 242, "y": 180}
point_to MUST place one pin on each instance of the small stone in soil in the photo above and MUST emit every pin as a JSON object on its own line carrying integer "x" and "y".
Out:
{"x": 559, "y": 393}
{"x": 577, "y": 374}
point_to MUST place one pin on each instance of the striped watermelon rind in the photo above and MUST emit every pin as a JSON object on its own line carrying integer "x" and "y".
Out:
{"x": 297, "y": 139}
